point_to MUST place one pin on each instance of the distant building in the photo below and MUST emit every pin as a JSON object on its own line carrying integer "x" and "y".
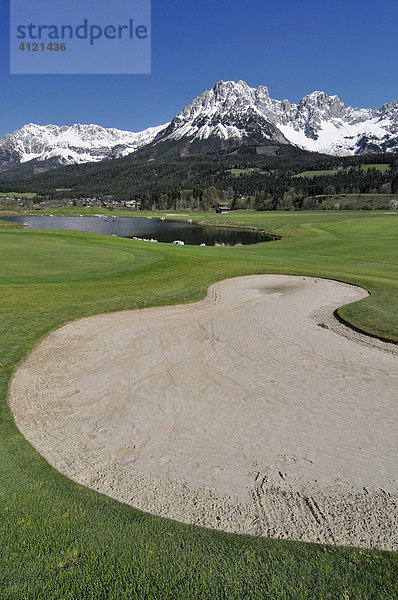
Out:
{"x": 224, "y": 210}
{"x": 132, "y": 204}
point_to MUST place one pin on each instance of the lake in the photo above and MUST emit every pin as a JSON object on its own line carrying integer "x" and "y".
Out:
{"x": 146, "y": 228}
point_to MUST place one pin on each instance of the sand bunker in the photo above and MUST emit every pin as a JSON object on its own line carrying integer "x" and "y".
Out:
{"x": 239, "y": 412}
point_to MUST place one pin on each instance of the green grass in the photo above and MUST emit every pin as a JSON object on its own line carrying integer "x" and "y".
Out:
{"x": 91, "y": 211}
{"x": 62, "y": 541}
{"x": 282, "y": 222}
{"x": 318, "y": 173}
{"x": 8, "y": 225}
{"x": 379, "y": 167}
{"x": 384, "y": 197}
{"x": 249, "y": 171}
{"x": 28, "y": 195}
{"x": 357, "y": 201}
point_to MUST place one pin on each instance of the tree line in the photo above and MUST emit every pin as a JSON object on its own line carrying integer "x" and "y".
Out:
{"x": 246, "y": 178}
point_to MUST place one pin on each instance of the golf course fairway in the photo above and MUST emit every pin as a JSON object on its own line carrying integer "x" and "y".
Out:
{"x": 62, "y": 540}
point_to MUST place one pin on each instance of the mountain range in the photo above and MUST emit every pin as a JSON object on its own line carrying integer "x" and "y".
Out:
{"x": 229, "y": 115}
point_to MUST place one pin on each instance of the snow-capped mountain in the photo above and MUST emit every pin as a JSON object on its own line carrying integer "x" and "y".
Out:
{"x": 229, "y": 115}
{"x": 319, "y": 123}
{"x": 70, "y": 145}
{"x": 229, "y": 110}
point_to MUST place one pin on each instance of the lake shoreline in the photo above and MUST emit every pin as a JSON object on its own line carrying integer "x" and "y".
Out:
{"x": 147, "y": 229}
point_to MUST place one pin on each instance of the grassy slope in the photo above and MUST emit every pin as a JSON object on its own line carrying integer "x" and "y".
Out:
{"x": 317, "y": 173}
{"x": 379, "y": 167}
{"x": 18, "y": 194}
{"x": 8, "y": 225}
{"x": 237, "y": 172}
{"x": 356, "y": 247}
{"x": 63, "y": 541}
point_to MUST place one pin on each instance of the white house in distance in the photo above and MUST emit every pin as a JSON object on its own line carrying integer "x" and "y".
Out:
{"x": 132, "y": 204}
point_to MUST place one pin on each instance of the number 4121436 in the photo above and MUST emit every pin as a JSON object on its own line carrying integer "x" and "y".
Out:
{"x": 42, "y": 47}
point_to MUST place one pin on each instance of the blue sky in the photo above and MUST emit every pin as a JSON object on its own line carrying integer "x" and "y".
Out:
{"x": 344, "y": 47}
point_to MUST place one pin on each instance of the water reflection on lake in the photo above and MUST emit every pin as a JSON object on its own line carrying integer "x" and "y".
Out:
{"x": 146, "y": 228}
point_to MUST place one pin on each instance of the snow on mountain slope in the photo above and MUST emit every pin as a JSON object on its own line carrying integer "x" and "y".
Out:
{"x": 228, "y": 111}
{"x": 70, "y": 145}
{"x": 228, "y": 115}
{"x": 322, "y": 123}
{"x": 318, "y": 123}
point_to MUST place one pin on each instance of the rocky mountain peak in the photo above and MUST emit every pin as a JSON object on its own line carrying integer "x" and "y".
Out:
{"x": 70, "y": 145}
{"x": 320, "y": 101}
{"x": 225, "y": 116}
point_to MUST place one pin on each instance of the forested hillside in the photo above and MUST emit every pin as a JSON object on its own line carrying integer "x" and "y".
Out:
{"x": 266, "y": 178}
